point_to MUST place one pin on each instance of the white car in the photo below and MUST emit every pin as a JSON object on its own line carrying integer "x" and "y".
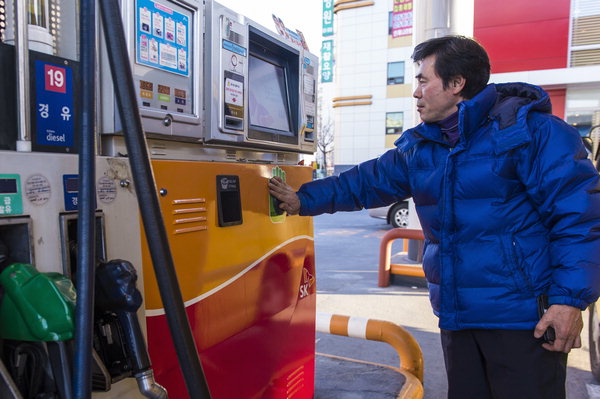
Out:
{"x": 395, "y": 214}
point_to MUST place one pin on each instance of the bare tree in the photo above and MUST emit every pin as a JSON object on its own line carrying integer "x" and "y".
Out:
{"x": 325, "y": 139}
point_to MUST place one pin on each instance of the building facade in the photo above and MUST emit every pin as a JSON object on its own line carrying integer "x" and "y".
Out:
{"x": 551, "y": 43}
{"x": 371, "y": 99}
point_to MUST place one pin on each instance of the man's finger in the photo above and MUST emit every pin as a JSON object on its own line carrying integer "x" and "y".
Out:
{"x": 569, "y": 344}
{"x": 560, "y": 345}
{"x": 277, "y": 183}
{"x": 557, "y": 345}
{"x": 277, "y": 188}
{"x": 541, "y": 327}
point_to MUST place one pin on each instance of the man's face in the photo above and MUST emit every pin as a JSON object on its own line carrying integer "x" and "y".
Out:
{"x": 434, "y": 103}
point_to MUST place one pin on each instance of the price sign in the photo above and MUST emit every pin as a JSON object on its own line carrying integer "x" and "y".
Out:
{"x": 54, "y": 119}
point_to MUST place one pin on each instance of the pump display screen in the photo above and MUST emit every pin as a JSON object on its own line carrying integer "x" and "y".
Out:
{"x": 273, "y": 89}
{"x": 268, "y": 99}
{"x": 8, "y": 186}
{"x": 72, "y": 185}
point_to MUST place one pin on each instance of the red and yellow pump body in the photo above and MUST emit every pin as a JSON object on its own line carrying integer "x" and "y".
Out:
{"x": 249, "y": 289}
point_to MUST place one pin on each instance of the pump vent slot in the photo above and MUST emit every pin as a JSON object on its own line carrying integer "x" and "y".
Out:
{"x": 190, "y": 217}
{"x": 231, "y": 155}
{"x": 295, "y": 383}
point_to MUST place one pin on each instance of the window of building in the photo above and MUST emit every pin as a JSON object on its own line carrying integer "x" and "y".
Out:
{"x": 582, "y": 109}
{"x": 394, "y": 122}
{"x": 395, "y": 74}
{"x": 585, "y": 32}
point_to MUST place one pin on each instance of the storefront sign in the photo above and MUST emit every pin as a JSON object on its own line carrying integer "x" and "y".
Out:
{"x": 327, "y": 17}
{"x": 327, "y": 61}
{"x": 402, "y": 16}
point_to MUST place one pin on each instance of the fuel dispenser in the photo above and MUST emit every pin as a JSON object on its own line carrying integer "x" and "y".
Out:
{"x": 225, "y": 104}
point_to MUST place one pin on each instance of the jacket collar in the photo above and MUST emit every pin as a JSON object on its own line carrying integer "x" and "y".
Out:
{"x": 507, "y": 104}
{"x": 471, "y": 114}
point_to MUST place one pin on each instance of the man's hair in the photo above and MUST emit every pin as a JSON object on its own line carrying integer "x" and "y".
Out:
{"x": 457, "y": 56}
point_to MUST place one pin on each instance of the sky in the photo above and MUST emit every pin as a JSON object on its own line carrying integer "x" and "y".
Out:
{"x": 304, "y": 16}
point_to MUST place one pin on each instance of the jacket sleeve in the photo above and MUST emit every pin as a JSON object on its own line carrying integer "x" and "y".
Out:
{"x": 565, "y": 187}
{"x": 371, "y": 184}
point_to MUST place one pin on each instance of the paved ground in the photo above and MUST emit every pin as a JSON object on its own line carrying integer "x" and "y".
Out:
{"x": 347, "y": 250}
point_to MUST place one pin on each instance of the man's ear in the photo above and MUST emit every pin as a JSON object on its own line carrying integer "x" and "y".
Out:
{"x": 457, "y": 84}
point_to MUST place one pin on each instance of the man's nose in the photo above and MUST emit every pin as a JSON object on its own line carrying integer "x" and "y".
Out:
{"x": 417, "y": 92}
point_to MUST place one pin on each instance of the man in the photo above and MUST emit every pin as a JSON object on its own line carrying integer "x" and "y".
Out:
{"x": 510, "y": 210}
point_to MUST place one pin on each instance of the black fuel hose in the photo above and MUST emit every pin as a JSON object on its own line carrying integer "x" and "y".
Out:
{"x": 84, "y": 309}
{"x": 156, "y": 235}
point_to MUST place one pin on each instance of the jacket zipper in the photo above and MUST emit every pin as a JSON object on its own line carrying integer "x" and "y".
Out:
{"x": 445, "y": 230}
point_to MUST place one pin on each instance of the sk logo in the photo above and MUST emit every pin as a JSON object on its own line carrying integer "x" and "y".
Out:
{"x": 308, "y": 281}
{"x": 277, "y": 215}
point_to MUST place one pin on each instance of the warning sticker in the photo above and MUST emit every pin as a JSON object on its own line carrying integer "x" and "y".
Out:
{"x": 234, "y": 92}
{"x": 37, "y": 189}
{"x": 106, "y": 189}
{"x": 168, "y": 56}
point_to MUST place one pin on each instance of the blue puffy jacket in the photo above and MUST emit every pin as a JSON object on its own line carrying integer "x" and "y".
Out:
{"x": 511, "y": 212}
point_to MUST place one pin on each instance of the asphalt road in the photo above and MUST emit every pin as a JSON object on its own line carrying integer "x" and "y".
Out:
{"x": 347, "y": 251}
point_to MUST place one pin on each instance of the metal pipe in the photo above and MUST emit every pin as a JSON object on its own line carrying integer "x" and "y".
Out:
{"x": 22, "y": 64}
{"x": 412, "y": 388}
{"x": 60, "y": 361}
{"x": 385, "y": 248}
{"x": 407, "y": 347}
{"x": 146, "y": 191}
{"x": 415, "y": 270}
{"x": 10, "y": 386}
{"x": 86, "y": 259}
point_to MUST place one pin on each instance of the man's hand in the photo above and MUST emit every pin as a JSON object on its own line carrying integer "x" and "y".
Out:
{"x": 567, "y": 323}
{"x": 286, "y": 194}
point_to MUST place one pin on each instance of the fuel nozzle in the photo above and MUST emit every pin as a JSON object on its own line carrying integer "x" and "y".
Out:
{"x": 116, "y": 292}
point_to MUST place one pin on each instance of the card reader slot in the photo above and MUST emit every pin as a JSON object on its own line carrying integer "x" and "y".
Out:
{"x": 234, "y": 123}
